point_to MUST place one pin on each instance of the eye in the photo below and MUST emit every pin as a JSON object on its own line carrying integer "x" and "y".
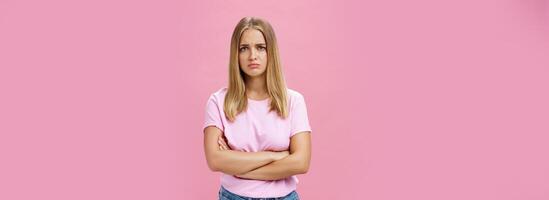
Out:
{"x": 242, "y": 49}
{"x": 261, "y": 48}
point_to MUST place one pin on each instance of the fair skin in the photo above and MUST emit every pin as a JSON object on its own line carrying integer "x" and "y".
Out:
{"x": 263, "y": 165}
{"x": 252, "y": 57}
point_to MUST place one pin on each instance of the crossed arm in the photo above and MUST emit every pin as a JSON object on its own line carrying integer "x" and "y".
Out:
{"x": 264, "y": 165}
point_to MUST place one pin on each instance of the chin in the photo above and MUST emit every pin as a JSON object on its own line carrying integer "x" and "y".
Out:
{"x": 254, "y": 73}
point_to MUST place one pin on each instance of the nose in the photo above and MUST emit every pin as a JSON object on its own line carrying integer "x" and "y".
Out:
{"x": 253, "y": 54}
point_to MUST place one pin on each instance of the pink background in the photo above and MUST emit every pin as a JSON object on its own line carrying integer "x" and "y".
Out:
{"x": 407, "y": 99}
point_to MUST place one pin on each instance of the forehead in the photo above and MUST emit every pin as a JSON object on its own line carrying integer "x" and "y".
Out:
{"x": 252, "y": 36}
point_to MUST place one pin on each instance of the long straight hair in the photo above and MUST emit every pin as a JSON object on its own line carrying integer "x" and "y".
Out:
{"x": 236, "y": 100}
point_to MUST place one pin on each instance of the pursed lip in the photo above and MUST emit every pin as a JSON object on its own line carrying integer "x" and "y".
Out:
{"x": 253, "y": 65}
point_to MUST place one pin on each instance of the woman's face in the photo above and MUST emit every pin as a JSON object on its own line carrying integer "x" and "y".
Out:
{"x": 252, "y": 53}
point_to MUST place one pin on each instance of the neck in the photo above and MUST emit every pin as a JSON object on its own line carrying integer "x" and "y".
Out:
{"x": 256, "y": 86}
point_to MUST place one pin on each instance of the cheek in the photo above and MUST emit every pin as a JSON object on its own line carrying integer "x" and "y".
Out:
{"x": 241, "y": 59}
{"x": 264, "y": 57}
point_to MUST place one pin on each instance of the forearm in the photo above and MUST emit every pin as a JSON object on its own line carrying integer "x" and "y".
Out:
{"x": 238, "y": 162}
{"x": 280, "y": 169}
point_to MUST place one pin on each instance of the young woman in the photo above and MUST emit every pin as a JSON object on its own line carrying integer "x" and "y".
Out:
{"x": 256, "y": 131}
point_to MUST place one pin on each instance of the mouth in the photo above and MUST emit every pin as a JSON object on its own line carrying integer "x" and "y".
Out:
{"x": 253, "y": 66}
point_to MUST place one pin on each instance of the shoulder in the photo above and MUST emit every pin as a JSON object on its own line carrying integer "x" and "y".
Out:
{"x": 294, "y": 96}
{"x": 218, "y": 95}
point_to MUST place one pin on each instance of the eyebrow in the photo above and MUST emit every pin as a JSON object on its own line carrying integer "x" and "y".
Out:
{"x": 260, "y": 44}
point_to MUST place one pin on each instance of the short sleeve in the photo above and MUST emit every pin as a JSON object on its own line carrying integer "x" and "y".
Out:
{"x": 299, "y": 121}
{"x": 213, "y": 114}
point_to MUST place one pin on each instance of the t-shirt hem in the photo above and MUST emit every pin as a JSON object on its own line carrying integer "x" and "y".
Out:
{"x": 299, "y": 131}
{"x": 213, "y": 124}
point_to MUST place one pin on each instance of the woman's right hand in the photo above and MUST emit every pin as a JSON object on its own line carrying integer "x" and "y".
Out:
{"x": 222, "y": 142}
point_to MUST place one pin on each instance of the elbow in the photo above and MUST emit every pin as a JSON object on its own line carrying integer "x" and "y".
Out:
{"x": 217, "y": 165}
{"x": 303, "y": 168}
{"x": 213, "y": 167}
{"x": 301, "y": 164}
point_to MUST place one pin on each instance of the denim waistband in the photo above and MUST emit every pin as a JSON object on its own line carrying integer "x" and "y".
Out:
{"x": 224, "y": 194}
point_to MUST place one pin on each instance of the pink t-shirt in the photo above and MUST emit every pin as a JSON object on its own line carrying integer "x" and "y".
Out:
{"x": 257, "y": 129}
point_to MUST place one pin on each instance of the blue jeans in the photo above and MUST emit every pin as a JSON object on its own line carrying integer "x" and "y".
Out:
{"x": 226, "y": 195}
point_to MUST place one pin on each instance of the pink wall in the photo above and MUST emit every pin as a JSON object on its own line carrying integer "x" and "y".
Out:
{"x": 407, "y": 99}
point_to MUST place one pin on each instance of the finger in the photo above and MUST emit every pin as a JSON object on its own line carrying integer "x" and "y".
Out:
{"x": 222, "y": 142}
{"x": 223, "y": 146}
{"x": 220, "y": 145}
{"x": 223, "y": 138}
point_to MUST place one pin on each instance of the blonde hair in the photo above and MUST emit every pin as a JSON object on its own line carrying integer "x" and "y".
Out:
{"x": 236, "y": 100}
